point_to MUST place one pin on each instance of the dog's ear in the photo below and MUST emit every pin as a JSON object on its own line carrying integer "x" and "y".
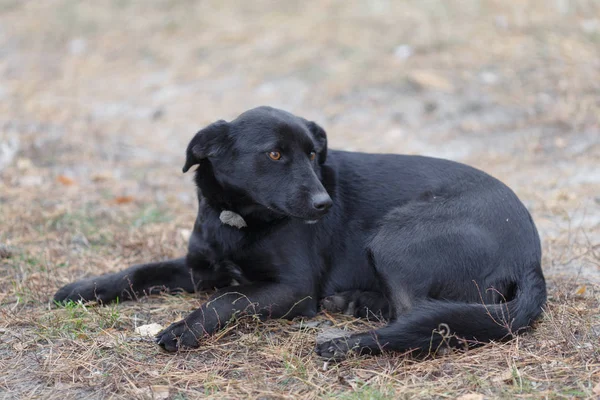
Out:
{"x": 207, "y": 143}
{"x": 321, "y": 138}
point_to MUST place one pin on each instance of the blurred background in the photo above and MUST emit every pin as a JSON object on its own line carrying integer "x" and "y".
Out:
{"x": 98, "y": 101}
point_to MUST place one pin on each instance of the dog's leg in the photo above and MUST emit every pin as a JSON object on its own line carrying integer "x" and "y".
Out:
{"x": 436, "y": 269}
{"x": 138, "y": 280}
{"x": 266, "y": 300}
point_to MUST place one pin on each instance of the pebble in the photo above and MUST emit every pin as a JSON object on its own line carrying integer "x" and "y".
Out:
{"x": 149, "y": 330}
{"x": 9, "y": 147}
{"x": 403, "y": 52}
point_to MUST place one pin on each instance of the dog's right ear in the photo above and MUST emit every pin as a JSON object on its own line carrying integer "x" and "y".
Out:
{"x": 207, "y": 143}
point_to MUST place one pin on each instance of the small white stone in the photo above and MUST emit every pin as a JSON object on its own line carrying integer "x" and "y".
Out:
{"x": 77, "y": 46}
{"x": 501, "y": 21}
{"x": 9, "y": 147}
{"x": 185, "y": 234}
{"x": 403, "y": 52}
{"x": 489, "y": 78}
{"x": 590, "y": 25}
{"x": 31, "y": 181}
{"x": 149, "y": 330}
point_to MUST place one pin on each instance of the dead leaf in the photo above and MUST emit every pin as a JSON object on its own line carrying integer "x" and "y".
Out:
{"x": 19, "y": 346}
{"x": 506, "y": 376}
{"x": 470, "y": 396}
{"x": 62, "y": 386}
{"x": 65, "y": 180}
{"x": 581, "y": 290}
{"x": 561, "y": 143}
{"x": 123, "y": 199}
{"x": 149, "y": 330}
{"x": 596, "y": 389}
{"x": 156, "y": 392}
{"x": 430, "y": 80}
{"x": 24, "y": 163}
{"x": 160, "y": 392}
{"x": 108, "y": 340}
{"x": 101, "y": 176}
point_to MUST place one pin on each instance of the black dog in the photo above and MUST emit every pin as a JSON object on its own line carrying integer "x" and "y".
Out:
{"x": 447, "y": 253}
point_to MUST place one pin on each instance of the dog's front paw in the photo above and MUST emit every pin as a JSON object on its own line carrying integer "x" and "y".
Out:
{"x": 92, "y": 289}
{"x": 335, "y": 350}
{"x": 339, "y": 348}
{"x": 180, "y": 335}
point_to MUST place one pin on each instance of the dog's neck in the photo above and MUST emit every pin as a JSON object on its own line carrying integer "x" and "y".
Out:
{"x": 233, "y": 207}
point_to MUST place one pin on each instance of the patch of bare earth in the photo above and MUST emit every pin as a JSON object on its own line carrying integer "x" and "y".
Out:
{"x": 98, "y": 101}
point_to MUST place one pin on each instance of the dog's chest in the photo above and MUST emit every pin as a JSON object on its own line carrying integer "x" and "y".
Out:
{"x": 224, "y": 241}
{"x": 228, "y": 240}
{"x": 259, "y": 253}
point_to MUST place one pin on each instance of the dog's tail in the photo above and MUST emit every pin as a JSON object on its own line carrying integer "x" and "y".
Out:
{"x": 429, "y": 325}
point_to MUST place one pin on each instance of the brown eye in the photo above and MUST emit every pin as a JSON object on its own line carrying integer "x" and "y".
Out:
{"x": 274, "y": 155}
{"x": 312, "y": 155}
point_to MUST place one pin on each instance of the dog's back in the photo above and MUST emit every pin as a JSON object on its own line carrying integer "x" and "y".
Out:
{"x": 447, "y": 243}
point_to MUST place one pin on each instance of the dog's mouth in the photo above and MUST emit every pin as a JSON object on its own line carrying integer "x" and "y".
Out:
{"x": 307, "y": 219}
{"x": 312, "y": 219}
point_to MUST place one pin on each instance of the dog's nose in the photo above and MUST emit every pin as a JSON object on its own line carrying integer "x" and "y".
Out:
{"x": 322, "y": 202}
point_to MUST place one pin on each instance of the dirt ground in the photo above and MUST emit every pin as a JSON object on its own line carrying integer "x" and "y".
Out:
{"x": 99, "y": 99}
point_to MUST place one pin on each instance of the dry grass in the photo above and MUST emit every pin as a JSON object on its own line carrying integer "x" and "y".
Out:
{"x": 86, "y": 351}
{"x": 102, "y": 98}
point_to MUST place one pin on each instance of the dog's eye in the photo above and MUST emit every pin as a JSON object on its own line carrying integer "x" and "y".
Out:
{"x": 312, "y": 155}
{"x": 275, "y": 155}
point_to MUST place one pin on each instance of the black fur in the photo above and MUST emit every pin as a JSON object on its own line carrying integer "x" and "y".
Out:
{"x": 445, "y": 252}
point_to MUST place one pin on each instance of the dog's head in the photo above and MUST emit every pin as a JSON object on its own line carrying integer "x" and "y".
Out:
{"x": 269, "y": 156}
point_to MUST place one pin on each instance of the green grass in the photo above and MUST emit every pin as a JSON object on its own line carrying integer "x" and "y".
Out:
{"x": 368, "y": 392}
{"x": 150, "y": 215}
{"x": 73, "y": 319}
{"x": 86, "y": 221}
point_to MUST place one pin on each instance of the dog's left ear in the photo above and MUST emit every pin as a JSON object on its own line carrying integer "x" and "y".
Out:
{"x": 321, "y": 138}
{"x": 207, "y": 143}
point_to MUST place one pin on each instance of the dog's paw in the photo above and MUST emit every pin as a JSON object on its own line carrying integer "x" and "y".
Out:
{"x": 357, "y": 303}
{"x": 85, "y": 290}
{"x": 335, "y": 349}
{"x": 340, "y": 348}
{"x": 180, "y": 335}
{"x": 337, "y": 303}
